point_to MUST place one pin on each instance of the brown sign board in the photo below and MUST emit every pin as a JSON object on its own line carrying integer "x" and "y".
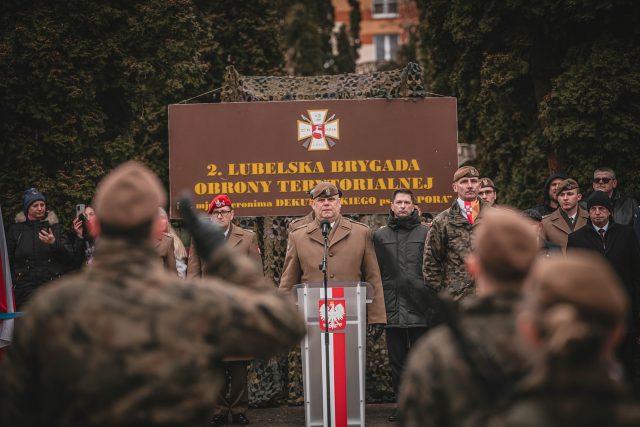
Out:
{"x": 266, "y": 156}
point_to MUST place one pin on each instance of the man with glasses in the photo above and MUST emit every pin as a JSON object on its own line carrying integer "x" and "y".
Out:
{"x": 604, "y": 179}
{"x": 241, "y": 241}
{"x": 449, "y": 241}
{"x": 488, "y": 191}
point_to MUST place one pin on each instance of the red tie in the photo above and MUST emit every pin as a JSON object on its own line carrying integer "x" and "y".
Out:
{"x": 469, "y": 211}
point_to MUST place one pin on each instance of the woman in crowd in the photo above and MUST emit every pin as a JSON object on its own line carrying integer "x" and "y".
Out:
{"x": 38, "y": 248}
{"x": 85, "y": 236}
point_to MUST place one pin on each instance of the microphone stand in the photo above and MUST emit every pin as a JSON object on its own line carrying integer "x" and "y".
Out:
{"x": 323, "y": 268}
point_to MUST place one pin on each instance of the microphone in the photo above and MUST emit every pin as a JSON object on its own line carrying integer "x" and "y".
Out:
{"x": 325, "y": 226}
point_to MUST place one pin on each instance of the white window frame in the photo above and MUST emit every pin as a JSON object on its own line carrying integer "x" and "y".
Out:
{"x": 385, "y": 5}
{"x": 387, "y": 46}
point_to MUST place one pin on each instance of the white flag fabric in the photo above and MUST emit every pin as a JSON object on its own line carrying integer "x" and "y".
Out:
{"x": 6, "y": 290}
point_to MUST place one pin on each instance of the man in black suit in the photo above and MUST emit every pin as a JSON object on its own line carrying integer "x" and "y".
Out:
{"x": 617, "y": 243}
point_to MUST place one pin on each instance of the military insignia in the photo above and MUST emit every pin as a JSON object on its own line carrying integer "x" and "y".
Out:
{"x": 317, "y": 132}
{"x": 336, "y": 312}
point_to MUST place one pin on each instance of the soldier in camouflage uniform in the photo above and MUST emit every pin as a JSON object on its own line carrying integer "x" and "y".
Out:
{"x": 450, "y": 377}
{"x": 572, "y": 320}
{"x": 449, "y": 240}
{"x": 124, "y": 343}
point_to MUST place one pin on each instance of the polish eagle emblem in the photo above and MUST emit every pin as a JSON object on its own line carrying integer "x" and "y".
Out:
{"x": 336, "y": 314}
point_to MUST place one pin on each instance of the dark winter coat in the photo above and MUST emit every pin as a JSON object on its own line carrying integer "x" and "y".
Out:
{"x": 399, "y": 247}
{"x": 620, "y": 248}
{"x": 32, "y": 261}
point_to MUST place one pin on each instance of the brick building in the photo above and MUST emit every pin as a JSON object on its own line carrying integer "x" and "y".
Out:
{"x": 384, "y": 27}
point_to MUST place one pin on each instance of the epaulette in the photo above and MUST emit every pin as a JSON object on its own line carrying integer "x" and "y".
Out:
{"x": 356, "y": 222}
{"x": 296, "y": 220}
{"x": 297, "y": 227}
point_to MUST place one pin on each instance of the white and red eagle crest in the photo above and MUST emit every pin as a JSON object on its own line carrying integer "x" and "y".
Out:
{"x": 336, "y": 313}
{"x": 317, "y": 132}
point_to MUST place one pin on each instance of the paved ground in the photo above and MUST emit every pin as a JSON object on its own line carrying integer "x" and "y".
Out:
{"x": 293, "y": 416}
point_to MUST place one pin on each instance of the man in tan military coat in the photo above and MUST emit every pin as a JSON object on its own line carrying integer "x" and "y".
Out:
{"x": 351, "y": 254}
{"x": 449, "y": 240}
{"x": 125, "y": 343}
{"x": 243, "y": 242}
{"x": 240, "y": 240}
{"x": 569, "y": 216}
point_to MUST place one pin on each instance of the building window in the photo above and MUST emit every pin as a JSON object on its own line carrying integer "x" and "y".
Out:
{"x": 386, "y": 46}
{"x": 385, "y": 8}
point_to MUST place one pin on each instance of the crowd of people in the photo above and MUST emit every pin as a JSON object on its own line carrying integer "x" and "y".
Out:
{"x": 492, "y": 316}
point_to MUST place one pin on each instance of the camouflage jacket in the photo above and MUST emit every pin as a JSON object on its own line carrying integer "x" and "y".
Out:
{"x": 574, "y": 396}
{"x": 448, "y": 243}
{"x": 125, "y": 343}
{"x": 440, "y": 389}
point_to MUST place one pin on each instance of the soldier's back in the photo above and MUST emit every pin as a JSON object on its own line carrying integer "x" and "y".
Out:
{"x": 124, "y": 343}
{"x": 580, "y": 407}
{"x": 440, "y": 388}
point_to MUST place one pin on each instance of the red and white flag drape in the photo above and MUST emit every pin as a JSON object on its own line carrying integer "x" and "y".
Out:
{"x": 7, "y": 304}
{"x": 337, "y": 321}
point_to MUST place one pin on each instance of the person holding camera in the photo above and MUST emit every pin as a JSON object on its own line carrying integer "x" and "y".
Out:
{"x": 84, "y": 243}
{"x": 39, "y": 249}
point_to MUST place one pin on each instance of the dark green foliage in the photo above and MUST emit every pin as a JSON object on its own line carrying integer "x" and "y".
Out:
{"x": 345, "y": 60}
{"x": 248, "y": 36}
{"x": 308, "y": 27}
{"x": 541, "y": 86}
{"x": 86, "y": 84}
{"x": 354, "y": 24}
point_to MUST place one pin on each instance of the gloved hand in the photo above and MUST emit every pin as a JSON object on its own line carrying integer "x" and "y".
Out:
{"x": 206, "y": 236}
{"x": 375, "y": 330}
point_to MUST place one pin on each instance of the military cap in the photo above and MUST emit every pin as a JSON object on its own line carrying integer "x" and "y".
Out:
{"x": 600, "y": 198}
{"x": 584, "y": 280}
{"x": 567, "y": 184}
{"x": 466, "y": 172}
{"x": 325, "y": 189}
{"x": 220, "y": 201}
{"x": 505, "y": 245}
{"x": 128, "y": 196}
{"x": 487, "y": 182}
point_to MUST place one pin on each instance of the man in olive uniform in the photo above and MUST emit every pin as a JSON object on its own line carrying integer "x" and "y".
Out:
{"x": 450, "y": 379}
{"x": 244, "y": 242}
{"x": 449, "y": 240}
{"x": 126, "y": 343}
{"x": 351, "y": 255}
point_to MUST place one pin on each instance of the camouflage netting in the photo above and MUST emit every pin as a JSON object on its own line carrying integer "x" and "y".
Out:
{"x": 279, "y": 380}
{"x": 402, "y": 83}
